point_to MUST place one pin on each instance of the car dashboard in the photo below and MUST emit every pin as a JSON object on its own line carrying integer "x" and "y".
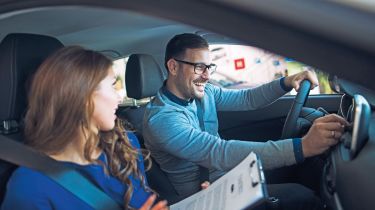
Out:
{"x": 347, "y": 179}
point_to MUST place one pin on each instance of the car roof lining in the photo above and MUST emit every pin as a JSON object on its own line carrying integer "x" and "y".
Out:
{"x": 123, "y": 32}
{"x": 260, "y": 29}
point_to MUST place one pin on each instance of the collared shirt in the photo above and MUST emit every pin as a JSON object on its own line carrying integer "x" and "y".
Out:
{"x": 174, "y": 98}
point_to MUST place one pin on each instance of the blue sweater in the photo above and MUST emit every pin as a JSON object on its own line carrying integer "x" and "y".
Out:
{"x": 28, "y": 189}
{"x": 173, "y": 135}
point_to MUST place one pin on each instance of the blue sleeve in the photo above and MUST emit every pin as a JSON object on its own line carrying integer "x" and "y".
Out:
{"x": 283, "y": 86}
{"x": 189, "y": 143}
{"x": 297, "y": 148}
{"x": 23, "y": 194}
{"x": 16, "y": 199}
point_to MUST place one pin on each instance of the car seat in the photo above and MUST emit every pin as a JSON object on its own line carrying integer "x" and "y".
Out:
{"x": 143, "y": 78}
{"x": 20, "y": 56}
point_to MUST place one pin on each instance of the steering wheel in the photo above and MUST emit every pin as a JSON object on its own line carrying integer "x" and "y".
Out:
{"x": 290, "y": 125}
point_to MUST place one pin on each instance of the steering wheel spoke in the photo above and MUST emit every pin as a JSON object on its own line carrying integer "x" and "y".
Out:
{"x": 290, "y": 126}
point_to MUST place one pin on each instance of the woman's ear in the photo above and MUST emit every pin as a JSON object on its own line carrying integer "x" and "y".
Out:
{"x": 172, "y": 66}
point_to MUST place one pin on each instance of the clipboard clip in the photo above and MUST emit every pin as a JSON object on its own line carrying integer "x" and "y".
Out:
{"x": 253, "y": 177}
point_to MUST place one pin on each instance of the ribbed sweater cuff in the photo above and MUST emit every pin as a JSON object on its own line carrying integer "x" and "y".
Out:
{"x": 283, "y": 86}
{"x": 297, "y": 148}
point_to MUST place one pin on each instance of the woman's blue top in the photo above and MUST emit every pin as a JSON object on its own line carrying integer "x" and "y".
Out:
{"x": 29, "y": 189}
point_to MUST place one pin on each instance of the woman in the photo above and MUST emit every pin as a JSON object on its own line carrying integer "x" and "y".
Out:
{"x": 71, "y": 118}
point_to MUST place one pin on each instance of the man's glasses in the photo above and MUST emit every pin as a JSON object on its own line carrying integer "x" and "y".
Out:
{"x": 200, "y": 68}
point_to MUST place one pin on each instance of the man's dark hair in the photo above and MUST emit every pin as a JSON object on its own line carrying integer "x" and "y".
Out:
{"x": 177, "y": 46}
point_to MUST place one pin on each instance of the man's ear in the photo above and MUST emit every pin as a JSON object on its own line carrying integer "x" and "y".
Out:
{"x": 172, "y": 67}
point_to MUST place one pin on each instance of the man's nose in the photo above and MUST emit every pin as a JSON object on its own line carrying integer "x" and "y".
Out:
{"x": 206, "y": 74}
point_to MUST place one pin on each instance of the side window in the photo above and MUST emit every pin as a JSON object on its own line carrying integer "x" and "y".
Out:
{"x": 245, "y": 66}
{"x": 119, "y": 67}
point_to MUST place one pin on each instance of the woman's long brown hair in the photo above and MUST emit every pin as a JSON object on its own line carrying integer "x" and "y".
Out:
{"x": 61, "y": 109}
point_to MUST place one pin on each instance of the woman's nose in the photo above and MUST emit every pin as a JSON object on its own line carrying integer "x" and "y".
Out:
{"x": 119, "y": 98}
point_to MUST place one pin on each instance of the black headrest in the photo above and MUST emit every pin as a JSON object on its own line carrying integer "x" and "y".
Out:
{"x": 143, "y": 76}
{"x": 20, "y": 56}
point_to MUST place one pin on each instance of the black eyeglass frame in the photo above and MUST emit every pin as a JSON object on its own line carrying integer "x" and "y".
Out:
{"x": 211, "y": 68}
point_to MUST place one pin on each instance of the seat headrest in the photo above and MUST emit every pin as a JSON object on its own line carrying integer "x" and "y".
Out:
{"x": 143, "y": 76}
{"x": 20, "y": 57}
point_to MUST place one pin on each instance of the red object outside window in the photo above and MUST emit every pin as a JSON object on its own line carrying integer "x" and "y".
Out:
{"x": 239, "y": 64}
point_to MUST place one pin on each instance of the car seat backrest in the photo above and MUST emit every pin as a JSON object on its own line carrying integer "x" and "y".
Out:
{"x": 143, "y": 78}
{"x": 20, "y": 56}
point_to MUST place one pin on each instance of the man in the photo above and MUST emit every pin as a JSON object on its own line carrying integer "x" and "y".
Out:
{"x": 181, "y": 125}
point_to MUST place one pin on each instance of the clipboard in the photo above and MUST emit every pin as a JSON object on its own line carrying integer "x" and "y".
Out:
{"x": 243, "y": 187}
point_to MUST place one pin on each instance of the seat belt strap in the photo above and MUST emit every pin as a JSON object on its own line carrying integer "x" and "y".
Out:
{"x": 204, "y": 173}
{"x": 67, "y": 177}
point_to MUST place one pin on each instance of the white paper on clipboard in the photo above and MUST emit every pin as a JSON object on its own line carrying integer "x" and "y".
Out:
{"x": 240, "y": 188}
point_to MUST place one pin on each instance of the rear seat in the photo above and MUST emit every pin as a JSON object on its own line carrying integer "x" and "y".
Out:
{"x": 143, "y": 78}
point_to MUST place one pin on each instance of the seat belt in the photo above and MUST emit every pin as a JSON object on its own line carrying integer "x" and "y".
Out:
{"x": 67, "y": 177}
{"x": 204, "y": 173}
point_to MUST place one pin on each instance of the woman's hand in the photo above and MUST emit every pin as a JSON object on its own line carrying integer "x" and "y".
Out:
{"x": 161, "y": 205}
{"x": 205, "y": 185}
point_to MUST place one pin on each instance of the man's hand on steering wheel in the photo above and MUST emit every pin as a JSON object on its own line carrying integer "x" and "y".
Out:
{"x": 296, "y": 79}
{"x": 325, "y": 132}
{"x": 302, "y": 82}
